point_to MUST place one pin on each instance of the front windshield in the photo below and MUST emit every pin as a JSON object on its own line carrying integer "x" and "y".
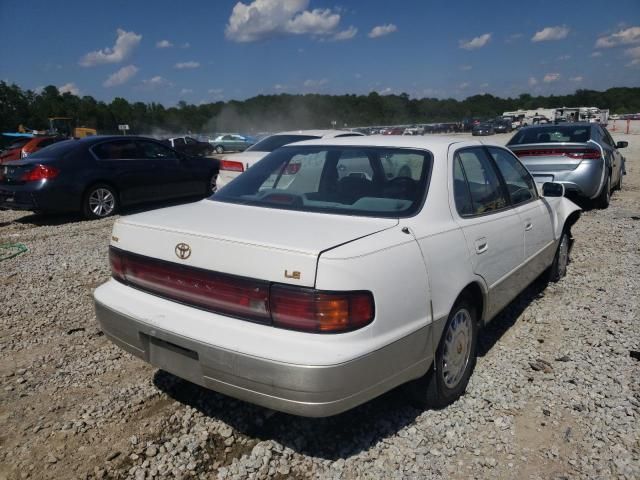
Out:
{"x": 269, "y": 144}
{"x": 365, "y": 181}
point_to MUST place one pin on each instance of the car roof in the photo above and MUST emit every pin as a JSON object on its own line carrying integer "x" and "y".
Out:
{"x": 320, "y": 133}
{"x": 435, "y": 143}
{"x": 101, "y": 138}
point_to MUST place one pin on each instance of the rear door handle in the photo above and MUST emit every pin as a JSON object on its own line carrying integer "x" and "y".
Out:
{"x": 481, "y": 245}
{"x": 528, "y": 226}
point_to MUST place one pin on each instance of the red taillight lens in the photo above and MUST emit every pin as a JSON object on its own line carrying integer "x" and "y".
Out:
{"x": 231, "y": 165}
{"x": 579, "y": 154}
{"x": 295, "y": 308}
{"x": 292, "y": 169}
{"x": 315, "y": 311}
{"x": 233, "y": 296}
{"x": 40, "y": 172}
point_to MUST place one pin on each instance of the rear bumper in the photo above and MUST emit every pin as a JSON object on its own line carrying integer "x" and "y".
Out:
{"x": 17, "y": 200}
{"x": 300, "y": 389}
{"x": 586, "y": 180}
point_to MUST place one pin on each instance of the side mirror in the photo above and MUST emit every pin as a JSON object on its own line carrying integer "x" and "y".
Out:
{"x": 622, "y": 144}
{"x": 552, "y": 189}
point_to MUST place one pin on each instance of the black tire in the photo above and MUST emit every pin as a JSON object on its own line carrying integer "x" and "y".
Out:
{"x": 99, "y": 201}
{"x": 618, "y": 185}
{"x": 437, "y": 389}
{"x": 558, "y": 268}
{"x": 219, "y": 149}
{"x": 603, "y": 200}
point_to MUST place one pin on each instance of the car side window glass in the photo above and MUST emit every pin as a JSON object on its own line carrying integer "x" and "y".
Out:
{"x": 487, "y": 194}
{"x": 116, "y": 150}
{"x": 178, "y": 141}
{"x": 607, "y": 137}
{"x": 190, "y": 140}
{"x": 519, "y": 183}
{"x": 152, "y": 150}
{"x": 461, "y": 193}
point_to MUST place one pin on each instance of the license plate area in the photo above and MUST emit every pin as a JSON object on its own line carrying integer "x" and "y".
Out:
{"x": 173, "y": 358}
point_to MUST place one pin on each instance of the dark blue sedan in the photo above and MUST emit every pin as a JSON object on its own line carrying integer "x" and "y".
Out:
{"x": 97, "y": 175}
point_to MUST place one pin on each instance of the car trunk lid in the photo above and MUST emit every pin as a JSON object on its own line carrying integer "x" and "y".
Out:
{"x": 266, "y": 244}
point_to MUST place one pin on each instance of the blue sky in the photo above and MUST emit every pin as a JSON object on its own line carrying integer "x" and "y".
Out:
{"x": 204, "y": 51}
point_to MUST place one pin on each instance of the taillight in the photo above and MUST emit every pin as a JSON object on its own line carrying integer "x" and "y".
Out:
{"x": 294, "y": 308}
{"x": 231, "y": 165}
{"x": 213, "y": 291}
{"x": 311, "y": 310}
{"x": 292, "y": 169}
{"x": 578, "y": 154}
{"x": 40, "y": 172}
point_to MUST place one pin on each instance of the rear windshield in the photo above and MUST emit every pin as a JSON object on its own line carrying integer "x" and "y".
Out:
{"x": 364, "y": 181}
{"x": 269, "y": 144}
{"x": 552, "y": 134}
{"x": 55, "y": 150}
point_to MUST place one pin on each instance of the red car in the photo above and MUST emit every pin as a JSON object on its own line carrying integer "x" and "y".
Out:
{"x": 25, "y": 146}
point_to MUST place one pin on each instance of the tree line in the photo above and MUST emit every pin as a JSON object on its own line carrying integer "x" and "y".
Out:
{"x": 269, "y": 113}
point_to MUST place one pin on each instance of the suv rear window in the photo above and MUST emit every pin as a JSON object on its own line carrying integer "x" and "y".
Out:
{"x": 364, "y": 181}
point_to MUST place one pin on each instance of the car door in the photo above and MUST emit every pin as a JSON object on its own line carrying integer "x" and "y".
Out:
{"x": 120, "y": 162}
{"x": 615, "y": 156}
{"x": 535, "y": 214}
{"x": 492, "y": 229}
{"x": 171, "y": 179}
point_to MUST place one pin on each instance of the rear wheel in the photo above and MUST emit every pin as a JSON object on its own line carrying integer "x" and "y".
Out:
{"x": 603, "y": 200}
{"x": 219, "y": 149}
{"x": 212, "y": 185}
{"x": 99, "y": 201}
{"x": 454, "y": 359}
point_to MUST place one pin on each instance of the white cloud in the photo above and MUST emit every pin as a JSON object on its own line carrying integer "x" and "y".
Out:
{"x": 164, "y": 44}
{"x": 186, "y": 91}
{"x": 386, "y": 91}
{"x": 279, "y": 86}
{"x": 474, "y": 43}
{"x": 347, "y": 34}
{"x": 126, "y": 42}
{"x": 183, "y": 65}
{"x": 596, "y": 54}
{"x": 185, "y": 45}
{"x": 514, "y": 37}
{"x": 563, "y": 58}
{"x": 634, "y": 53}
{"x": 551, "y": 33}
{"x": 623, "y": 37}
{"x": 382, "y": 30}
{"x": 315, "y": 83}
{"x": 69, "y": 88}
{"x": 532, "y": 81}
{"x": 484, "y": 85}
{"x": 463, "y": 85}
{"x": 157, "y": 81}
{"x": 551, "y": 77}
{"x": 216, "y": 91}
{"x": 465, "y": 68}
{"x": 577, "y": 79}
{"x": 121, "y": 76}
{"x": 262, "y": 19}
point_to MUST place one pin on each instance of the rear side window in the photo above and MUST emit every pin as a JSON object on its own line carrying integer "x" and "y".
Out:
{"x": 519, "y": 183}
{"x": 487, "y": 194}
{"x": 116, "y": 150}
{"x": 178, "y": 142}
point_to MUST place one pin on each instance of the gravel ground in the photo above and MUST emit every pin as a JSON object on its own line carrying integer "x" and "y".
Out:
{"x": 555, "y": 394}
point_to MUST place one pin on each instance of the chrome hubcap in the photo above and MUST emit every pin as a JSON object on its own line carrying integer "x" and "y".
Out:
{"x": 457, "y": 348}
{"x": 563, "y": 256}
{"x": 102, "y": 202}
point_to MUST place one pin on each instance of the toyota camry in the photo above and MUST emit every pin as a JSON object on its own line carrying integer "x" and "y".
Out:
{"x": 334, "y": 270}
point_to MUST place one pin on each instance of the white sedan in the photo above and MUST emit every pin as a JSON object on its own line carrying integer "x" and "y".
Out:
{"x": 335, "y": 270}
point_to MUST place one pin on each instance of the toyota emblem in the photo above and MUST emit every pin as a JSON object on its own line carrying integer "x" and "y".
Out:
{"x": 183, "y": 251}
